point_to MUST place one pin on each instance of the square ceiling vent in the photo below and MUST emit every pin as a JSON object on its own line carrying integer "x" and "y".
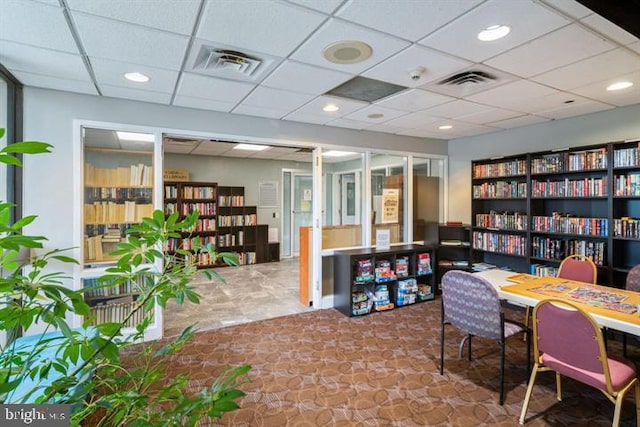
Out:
{"x": 469, "y": 81}
{"x": 230, "y": 63}
{"x": 365, "y": 89}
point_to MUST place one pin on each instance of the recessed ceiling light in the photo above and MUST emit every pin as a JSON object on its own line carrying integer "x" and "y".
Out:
{"x": 445, "y": 127}
{"x": 250, "y": 147}
{"x": 493, "y": 32}
{"x": 137, "y": 77}
{"x": 619, "y": 86}
{"x": 336, "y": 153}
{"x": 330, "y": 108}
{"x": 376, "y": 116}
{"x": 135, "y": 136}
{"x": 347, "y": 52}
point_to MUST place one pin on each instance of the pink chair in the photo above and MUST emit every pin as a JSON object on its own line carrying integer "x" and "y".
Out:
{"x": 632, "y": 284}
{"x": 569, "y": 342}
{"x": 578, "y": 267}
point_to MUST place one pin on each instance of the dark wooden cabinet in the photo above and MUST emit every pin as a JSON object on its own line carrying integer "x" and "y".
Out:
{"x": 369, "y": 280}
{"x": 453, "y": 247}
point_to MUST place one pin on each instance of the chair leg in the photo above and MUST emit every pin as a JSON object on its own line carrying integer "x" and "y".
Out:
{"x": 527, "y": 396}
{"x": 558, "y": 387}
{"x": 461, "y": 346}
{"x": 528, "y": 338}
{"x": 502, "y": 351}
{"x": 442, "y": 341}
{"x": 624, "y": 345}
{"x": 527, "y": 313}
{"x": 617, "y": 410}
{"x": 469, "y": 345}
{"x": 637, "y": 396}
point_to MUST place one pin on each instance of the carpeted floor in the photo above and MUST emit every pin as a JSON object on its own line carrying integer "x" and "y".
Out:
{"x": 321, "y": 368}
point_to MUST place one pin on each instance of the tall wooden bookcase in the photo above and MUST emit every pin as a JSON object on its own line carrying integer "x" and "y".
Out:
{"x": 532, "y": 210}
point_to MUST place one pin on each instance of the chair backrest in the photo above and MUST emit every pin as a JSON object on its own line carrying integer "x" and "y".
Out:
{"x": 633, "y": 279}
{"x": 572, "y": 343}
{"x": 578, "y": 267}
{"x": 471, "y": 304}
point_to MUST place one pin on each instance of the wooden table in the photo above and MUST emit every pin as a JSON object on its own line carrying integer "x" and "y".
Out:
{"x": 605, "y": 304}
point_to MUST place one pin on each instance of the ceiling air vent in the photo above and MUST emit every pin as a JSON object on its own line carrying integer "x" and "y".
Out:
{"x": 210, "y": 58}
{"x": 473, "y": 77}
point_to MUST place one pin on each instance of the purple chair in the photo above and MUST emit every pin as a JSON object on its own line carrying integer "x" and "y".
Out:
{"x": 632, "y": 284}
{"x": 578, "y": 267}
{"x": 569, "y": 342}
{"x": 471, "y": 304}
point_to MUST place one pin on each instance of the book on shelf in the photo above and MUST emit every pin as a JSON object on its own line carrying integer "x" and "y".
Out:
{"x": 453, "y": 223}
{"x": 451, "y": 242}
{"x": 482, "y": 266}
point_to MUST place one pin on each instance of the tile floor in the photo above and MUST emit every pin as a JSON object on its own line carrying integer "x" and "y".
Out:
{"x": 251, "y": 292}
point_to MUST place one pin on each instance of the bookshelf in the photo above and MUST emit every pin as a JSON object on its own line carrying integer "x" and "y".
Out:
{"x": 118, "y": 189}
{"x": 532, "y": 210}
{"x": 453, "y": 247}
{"x": 371, "y": 280}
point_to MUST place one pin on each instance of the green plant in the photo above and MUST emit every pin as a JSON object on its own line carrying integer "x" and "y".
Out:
{"x": 90, "y": 360}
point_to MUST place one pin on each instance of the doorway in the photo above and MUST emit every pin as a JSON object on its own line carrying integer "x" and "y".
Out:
{"x": 297, "y": 208}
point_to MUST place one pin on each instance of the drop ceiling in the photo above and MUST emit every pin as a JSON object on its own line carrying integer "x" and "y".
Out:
{"x": 556, "y": 62}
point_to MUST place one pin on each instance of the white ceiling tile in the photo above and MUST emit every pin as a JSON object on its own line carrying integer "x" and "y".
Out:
{"x": 413, "y": 100}
{"x": 280, "y": 99}
{"x": 306, "y": 117}
{"x": 169, "y": 15}
{"x": 575, "y": 109}
{"x": 364, "y": 113}
{"x": 324, "y": 6}
{"x": 348, "y": 123}
{"x": 609, "y": 29}
{"x": 620, "y": 98}
{"x": 264, "y": 26}
{"x": 118, "y": 47}
{"x": 56, "y": 83}
{"x": 335, "y": 31}
{"x": 19, "y": 57}
{"x": 49, "y": 2}
{"x": 634, "y": 46}
{"x": 570, "y": 7}
{"x": 112, "y": 73}
{"x": 136, "y": 94}
{"x": 519, "y": 121}
{"x": 511, "y": 94}
{"x": 597, "y": 68}
{"x": 202, "y": 103}
{"x": 456, "y": 109}
{"x": 35, "y": 24}
{"x": 561, "y": 47}
{"x": 271, "y": 113}
{"x": 304, "y": 78}
{"x": 346, "y": 106}
{"x": 396, "y": 69}
{"x": 460, "y": 37}
{"x": 418, "y": 18}
{"x": 417, "y": 120}
{"x": 212, "y": 88}
{"x": 489, "y": 116}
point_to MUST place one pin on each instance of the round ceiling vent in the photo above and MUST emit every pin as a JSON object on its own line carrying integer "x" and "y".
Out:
{"x": 348, "y": 52}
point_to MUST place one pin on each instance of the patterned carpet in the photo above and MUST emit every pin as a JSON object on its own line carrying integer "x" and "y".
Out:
{"x": 322, "y": 368}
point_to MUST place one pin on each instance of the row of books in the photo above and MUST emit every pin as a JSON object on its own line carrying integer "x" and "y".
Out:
{"x": 237, "y": 220}
{"x": 575, "y": 161}
{"x": 120, "y": 230}
{"x": 626, "y": 227}
{"x": 205, "y": 224}
{"x": 508, "y": 168}
{"x": 502, "y": 220}
{"x": 502, "y": 243}
{"x": 543, "y": 270}
{"x": 205, "y": 208}
{"x": 587, "y": 187}
{"x": 627, "y": 157}
{"x": 627, "y": 185}
{"x": 231, "y": 239}
{"x": 111, "y": 212}
{"x": 205, "y": 260}
{"x": 560, "y": 223}
{"x": 189, "y": 244}
{"x": 117, "y": 310}
{"x": 136, "y": 175}
{"x": 118, "y": 194}
{"x": 191, "y": 192}
{"x": 558, "y": 249}
{"x": 95, "y": 288}
{"x": 500, "y": 189}
{"x": 231, "y": 200}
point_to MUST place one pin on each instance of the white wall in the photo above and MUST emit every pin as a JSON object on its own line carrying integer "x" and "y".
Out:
{"x": 612, "y": 125}
{"x": 49, "y": 115}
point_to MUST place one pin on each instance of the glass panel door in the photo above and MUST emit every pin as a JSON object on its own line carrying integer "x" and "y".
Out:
{"x": 302, "y": 213}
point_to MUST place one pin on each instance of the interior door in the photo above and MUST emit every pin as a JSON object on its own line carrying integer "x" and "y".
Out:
{"x": 349, "y": 206}
{"x": 301, "y": 212}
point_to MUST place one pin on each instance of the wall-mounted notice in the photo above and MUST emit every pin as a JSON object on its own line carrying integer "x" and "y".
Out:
{"x": 176, "y": 175}
{"x": 390, "y": 205}
{"x": 268, "y": 194}
{"x": 383, "y": 239}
